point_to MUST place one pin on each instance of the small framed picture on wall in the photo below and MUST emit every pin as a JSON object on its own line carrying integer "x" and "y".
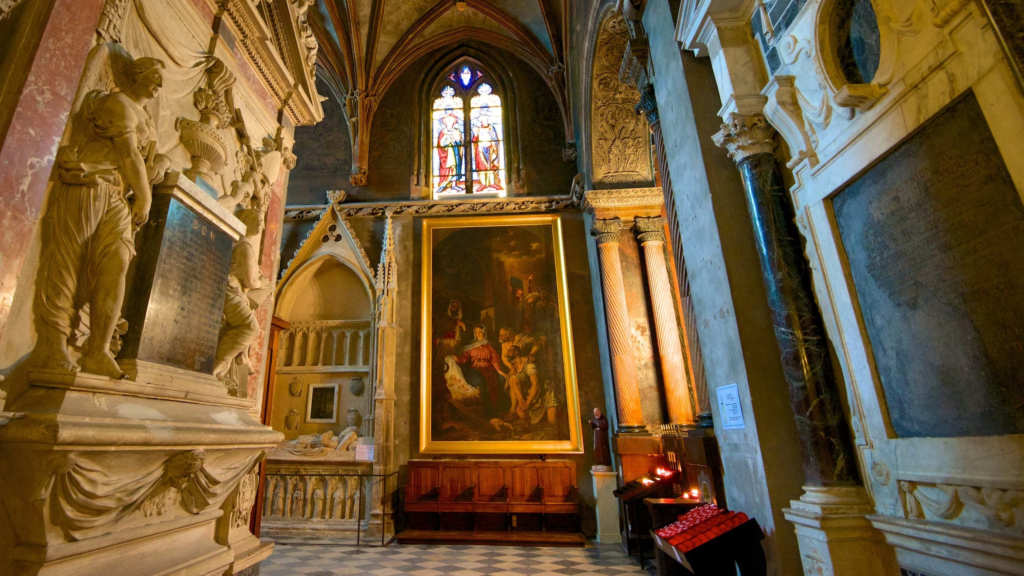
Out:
{"x": 322, "y": 403}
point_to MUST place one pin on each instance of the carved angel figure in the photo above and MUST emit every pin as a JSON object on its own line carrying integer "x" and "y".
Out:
{"x": 102, "y": 195}
{"x": 240, "y": 324}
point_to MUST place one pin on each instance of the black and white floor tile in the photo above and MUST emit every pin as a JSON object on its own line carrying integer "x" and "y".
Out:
{"x": 422, "y": 560}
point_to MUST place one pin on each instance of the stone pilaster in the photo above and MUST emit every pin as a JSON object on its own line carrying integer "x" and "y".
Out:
{"x": 651, "y": 235}
{"x": 627, "y": 387}
{"x": 834, "y": 534}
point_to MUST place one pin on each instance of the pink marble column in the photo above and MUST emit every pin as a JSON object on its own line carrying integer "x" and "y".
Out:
{"x": 670, "y": 351}
{"x": 626, "y": 382}
{"x": 37, "y": 125}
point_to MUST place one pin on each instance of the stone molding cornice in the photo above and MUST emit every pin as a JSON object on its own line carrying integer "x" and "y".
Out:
{"x": 624, "y": 201}
{"x": 257, "y": 43}
{"x": 520, "y": 205}
{"x": 745, "y": 135}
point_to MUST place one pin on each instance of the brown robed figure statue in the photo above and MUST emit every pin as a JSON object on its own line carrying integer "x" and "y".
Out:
{"x": 602, "y": 455}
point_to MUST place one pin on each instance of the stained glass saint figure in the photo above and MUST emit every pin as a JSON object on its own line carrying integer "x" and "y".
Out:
{"x": 488, "y": 159}
{"x": 449, "y": 167}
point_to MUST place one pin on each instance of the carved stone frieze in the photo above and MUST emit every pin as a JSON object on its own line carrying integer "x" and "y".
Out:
{"x": 980, "y": 507}
{"x": 745, "y": 135}
{"x": 620, "y": 149}
{"x": 519, "y": 205}
{"x": 624, "y": 199}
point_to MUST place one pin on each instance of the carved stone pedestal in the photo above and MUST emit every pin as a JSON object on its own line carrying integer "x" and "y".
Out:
{"x": 834, "y": 534}
{"x": 607, "y": 507}
{"x": 101, "y": 475}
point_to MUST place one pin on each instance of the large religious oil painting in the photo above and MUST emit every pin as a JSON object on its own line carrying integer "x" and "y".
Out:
{"x": 498, "y": 375}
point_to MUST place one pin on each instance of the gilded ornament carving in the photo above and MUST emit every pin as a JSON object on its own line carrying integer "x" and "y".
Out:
{"x": 745, "y": 135}
{"x": 336, "y": 196}
{"x": 620, "y": 148}
{"x": 101, "y": 197}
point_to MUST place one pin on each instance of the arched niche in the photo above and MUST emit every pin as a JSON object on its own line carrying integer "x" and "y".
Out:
{"x": 327, "y": 296}
{"x": 325, "y": 289}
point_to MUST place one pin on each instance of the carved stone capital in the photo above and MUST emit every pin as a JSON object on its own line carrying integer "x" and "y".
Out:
{"x": 650, "y": 230}
{"x": 745, "y": 135}
{"x": 607, "y": 231}
{"x": 624, "y": 202}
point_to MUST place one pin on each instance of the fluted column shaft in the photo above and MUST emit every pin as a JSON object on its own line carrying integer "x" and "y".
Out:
{"x": 828, "y": 457}
{"x": 626, "y": 381}
{"x": 670, "y": 350}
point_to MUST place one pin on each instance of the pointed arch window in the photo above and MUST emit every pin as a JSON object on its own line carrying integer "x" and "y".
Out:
{"x": 468, "y": 144}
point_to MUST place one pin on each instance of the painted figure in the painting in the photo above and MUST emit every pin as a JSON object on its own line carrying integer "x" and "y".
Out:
{"x": 486, "y": 373}
{"x": 487, "y": 150}
{"x": 532, "y": 399}
{"x": 526, "y": 343}
{"x": 449, "y": 153}
{"x": 450, "y": 332}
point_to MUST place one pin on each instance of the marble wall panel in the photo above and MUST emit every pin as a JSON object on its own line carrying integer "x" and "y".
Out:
{"x": 37, "y": 126}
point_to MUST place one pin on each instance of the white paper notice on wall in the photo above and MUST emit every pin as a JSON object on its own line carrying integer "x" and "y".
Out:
{"x": 729, "y": 407}
{"x": 364, "y": 452}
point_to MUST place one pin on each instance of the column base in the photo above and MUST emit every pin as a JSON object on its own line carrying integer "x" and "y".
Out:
{"x": 607, "y": 506}
{"x": 835, "y": 536}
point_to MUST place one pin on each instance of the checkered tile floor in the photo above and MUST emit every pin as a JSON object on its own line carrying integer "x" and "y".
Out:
{"x": 422, "y": 560}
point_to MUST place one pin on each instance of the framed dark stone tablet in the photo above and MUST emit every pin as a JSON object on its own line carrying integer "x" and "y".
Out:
{"x": 934, "y": 236}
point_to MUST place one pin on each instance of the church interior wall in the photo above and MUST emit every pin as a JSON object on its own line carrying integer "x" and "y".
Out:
{"x": 588, "y": 369}
{"x": 733, "y": 317}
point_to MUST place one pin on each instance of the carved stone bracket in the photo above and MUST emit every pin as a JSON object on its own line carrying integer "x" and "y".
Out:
{"x": 745, "y": 135}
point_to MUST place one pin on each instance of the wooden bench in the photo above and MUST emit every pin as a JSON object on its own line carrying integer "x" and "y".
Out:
{"x": 454, "y": 496}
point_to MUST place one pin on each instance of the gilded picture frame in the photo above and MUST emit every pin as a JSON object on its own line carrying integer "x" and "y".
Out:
{"x": 497, "y": 371}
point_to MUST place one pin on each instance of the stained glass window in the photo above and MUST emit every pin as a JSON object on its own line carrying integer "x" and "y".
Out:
{"x": 468, "y": 155}
{"x": 449, "y": 143}
{"x": 488, "y": 156}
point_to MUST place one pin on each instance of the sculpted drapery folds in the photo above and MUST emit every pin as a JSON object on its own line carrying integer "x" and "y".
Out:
{"x": 102, "y": 195}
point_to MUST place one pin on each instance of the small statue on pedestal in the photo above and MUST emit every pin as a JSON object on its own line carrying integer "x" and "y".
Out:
{"x": 602, "y": 454}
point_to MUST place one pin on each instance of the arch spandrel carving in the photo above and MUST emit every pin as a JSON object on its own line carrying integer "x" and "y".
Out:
{"x": 620, "y": 146}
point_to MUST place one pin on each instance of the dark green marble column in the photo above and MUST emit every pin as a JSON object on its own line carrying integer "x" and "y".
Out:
{"x": 828, "y": 456}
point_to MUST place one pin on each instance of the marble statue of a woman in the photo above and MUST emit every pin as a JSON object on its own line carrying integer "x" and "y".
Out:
{"x": 102, "y": 195}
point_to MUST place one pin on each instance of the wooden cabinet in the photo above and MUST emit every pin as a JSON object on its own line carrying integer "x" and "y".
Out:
{"x": 492, "y": 495}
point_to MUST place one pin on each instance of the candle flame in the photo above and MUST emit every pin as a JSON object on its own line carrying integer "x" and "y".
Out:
{"x": 646, "y": 481}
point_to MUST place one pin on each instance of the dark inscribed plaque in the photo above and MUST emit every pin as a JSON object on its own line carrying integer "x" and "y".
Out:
{"x": 176, "y": 299}
{"x": 934, "y": 234}
{"x": 321, "y": 406}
